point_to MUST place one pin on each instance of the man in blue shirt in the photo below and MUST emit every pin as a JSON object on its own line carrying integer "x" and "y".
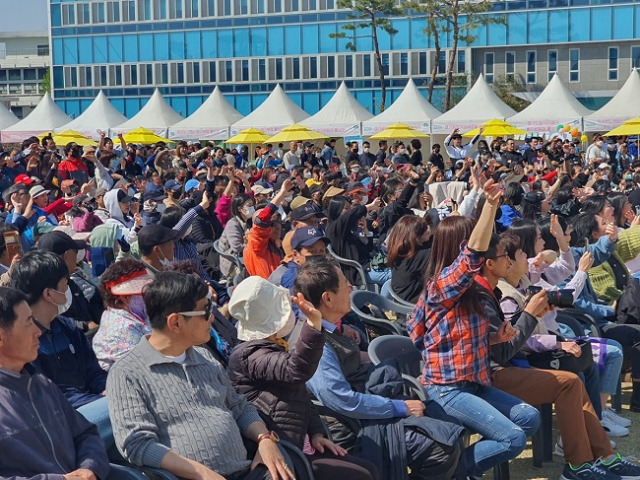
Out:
{"x": 306, "y": 242}
{"x": 339, "y": 381}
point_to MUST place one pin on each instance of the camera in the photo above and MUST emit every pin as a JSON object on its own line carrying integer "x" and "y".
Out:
{"x": 562, "y": 298}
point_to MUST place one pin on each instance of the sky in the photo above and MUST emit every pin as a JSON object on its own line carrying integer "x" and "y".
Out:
{"x": 21, "y": 10}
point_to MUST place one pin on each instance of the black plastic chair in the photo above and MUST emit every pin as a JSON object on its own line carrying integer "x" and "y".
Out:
{"x": 408, "y": 356}
{"x": 396, "y": 298}
{"x": 379, "y": 324}
{"x": 301, "y": 466}
{"x": 120, "y": 472}
{"x": 363, "y": 284}
{"x": 233, "y": 259}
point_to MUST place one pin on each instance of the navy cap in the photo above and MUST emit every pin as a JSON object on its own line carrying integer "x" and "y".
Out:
{"x": 306, "y": 211}
{"x": 306, "y": 237}
{"x": 59, "y": 243}
{"x": 173, "y": 185}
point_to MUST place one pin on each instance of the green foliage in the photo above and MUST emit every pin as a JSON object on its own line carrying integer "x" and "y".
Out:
{"x": 45, "y": 85}
{"x": 504, "y": 87}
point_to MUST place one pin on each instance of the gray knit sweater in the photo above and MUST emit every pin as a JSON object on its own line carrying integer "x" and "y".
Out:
{"x": 157, "y": 405}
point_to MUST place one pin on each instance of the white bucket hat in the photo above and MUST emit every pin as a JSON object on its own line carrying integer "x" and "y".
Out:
{"x": 261, "y": 309}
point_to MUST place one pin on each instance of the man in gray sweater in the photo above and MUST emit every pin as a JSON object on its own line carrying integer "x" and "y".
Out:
{"x": 171, "y": 403}
{"x": 42, "y": 437}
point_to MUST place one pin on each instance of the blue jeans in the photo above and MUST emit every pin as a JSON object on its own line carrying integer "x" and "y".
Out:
{"x": 610, "y": 377}
{"x": 379, "y": 277}
{"x": 503, "y": 421}
{"x": 97, "y": 412}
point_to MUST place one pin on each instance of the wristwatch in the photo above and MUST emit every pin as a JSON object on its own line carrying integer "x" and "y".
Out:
{"x": 273, "y": 436}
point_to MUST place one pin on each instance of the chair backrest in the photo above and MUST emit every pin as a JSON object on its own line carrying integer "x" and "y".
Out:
{"x": 301, "y": 466}
{"x": 571, "y": 322}
{"x": 361, "y": 297}
{"x": 377, "y": 322}
{"x": 119, "y": 472}
{"x": 364, "y": 283}
{"x": 398, "y": 347}
{"x": 397, "y": 299}
{"x": 227, "y": 256}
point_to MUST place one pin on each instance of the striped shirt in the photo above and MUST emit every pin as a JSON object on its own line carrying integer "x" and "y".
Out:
{"x": 454, "y": 342}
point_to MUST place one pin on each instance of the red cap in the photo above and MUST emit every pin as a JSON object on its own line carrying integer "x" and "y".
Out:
{"x": 24, "y": 179}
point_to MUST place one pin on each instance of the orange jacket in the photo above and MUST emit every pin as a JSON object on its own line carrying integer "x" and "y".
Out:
{"x": 261, "y": 256}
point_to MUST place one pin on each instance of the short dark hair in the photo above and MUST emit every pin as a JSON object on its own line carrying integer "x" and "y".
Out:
{"x": 584, "y": 224}
{"x": 511, "y": 244}
{"x": 527, "y": 230}
{"x": 316, "y": 276}
{"x": 238, "y": 201}
{"x": 9, "y": 298}
{"x": 36, "y": 271}
{"x": 416, "y": 144}
{"x": 171, "y": 216}
{"x": 172, "y": 292}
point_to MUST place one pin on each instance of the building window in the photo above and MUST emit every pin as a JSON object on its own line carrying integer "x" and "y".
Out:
{"x": 488, "y": 66}
{"x": 367, "y": 65}
{"x": 196, "y": 72}
{"x": 442, "y": 62}
{"x": 385, "y": 63}
{"x": 331, "y": 66}
{"x": 296, "y": 68}
{"x": 181, "y": 72}
{"x": 510, "y": 65}
{"x": 574, "y": 65}
{"x": 212, "y": 71}
{"x": 613, "y": 63}
{"x": 531, "y": 67}
{"x": 245, "y": 70}
{"x": 15, "y": 75}
{"x": 462, "y": 63}
{"x": 348, "y": 61}
{"x": 635, "y": 57}
{"x": 422, "y": 63}
{"x": 229, "y": 70}
{"x": 164, "y": 74}
{"x": 313, "y": 67}
{"x": 279, "y": 69}
{"x": 262, "y": 69}
{"x": 88, "y": 77}
{"x": 553, "y": 63}
{"x": 134, "y": 74}
{"x": 404, "y": 64}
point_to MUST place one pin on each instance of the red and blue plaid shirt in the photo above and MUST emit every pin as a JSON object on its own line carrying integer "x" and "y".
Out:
{"x": 454, "y": 342}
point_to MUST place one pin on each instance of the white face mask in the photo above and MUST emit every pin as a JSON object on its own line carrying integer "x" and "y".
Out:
{"x": 605, "y": 177}
{"x": 401, "y": 151}
{"x": 307, "y": 175}
{"x": 249, "y": 211}
{"x": 599, "y": 144}
{"x": 288, "y": 199}
{"x": 365, "y": 149}
{"x": 67, "y": 303}
{"x": 165, "y": 262}
{"x": 365, "y": 200}
{"x": 299, "y": 151}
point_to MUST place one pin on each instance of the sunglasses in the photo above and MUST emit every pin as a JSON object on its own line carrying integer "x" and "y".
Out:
{"x": 199, "y": 313}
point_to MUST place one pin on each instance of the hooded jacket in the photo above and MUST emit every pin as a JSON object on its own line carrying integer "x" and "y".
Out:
{"x": 115, "y": 216}
{"x": 42, "y": 437}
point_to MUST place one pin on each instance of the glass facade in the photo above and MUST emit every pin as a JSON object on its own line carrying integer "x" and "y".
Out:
{"x": 185, "y": 47}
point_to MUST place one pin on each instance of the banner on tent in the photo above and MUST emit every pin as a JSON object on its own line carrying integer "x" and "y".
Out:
{"x": 447, "y": 128}
{"x": 548, "y": 125}
{"x": 20, "y": 136}
{"x": 603, "y": 124}
{"x": 369, "y": 129}
{"x": 266, "y": 129}
{"x": 221, "y": 133}
{"x": 113, "y": 132}
{"x": 337, "y": 130}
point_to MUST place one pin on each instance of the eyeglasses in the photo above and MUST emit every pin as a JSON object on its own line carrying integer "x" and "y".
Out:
{"x": 505, "y": 255}
{"x": 199, "y": 313}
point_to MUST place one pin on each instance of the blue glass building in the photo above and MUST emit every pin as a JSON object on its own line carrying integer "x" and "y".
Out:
{"x": 129, "y": 47}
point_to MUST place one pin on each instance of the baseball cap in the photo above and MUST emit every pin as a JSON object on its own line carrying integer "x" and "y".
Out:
{"x": 298, "y": 201}
{"x": 154, "y": 234}
{"x": 355, "y": 187}
{"x": 87, "y": 149}
{"x": 261, "y": 190}
{"x": 37, "y": 191}
{"x": 156, "y": 195}
{"x": 332, "y": 192}
{"x": 24, "y": 179}
{"x": 172, "y": 185}
{"x": 604, "y": 165}
{"x": 306, "y": 237}
{"x": 315, "y": 188}
{"x": 59, "y": 243}
{"x": 191, "y": 184}
{"x": 123, "y": 197}
{"x": 306, "y": 211}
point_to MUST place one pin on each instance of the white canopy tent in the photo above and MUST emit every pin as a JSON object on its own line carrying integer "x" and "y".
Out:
{"x": 100, "y": 116}
{"x": 212, "y": 120}
{"x": 623, "y": 106}
{"x": 7, "y": 117}
{"x": 275, "y": 113}
{"x": 44, "y": 118}
{"x": 479, "y": 105}
{"x": 410, "y": 108}
{"x": 340, "y": 117}
{"x": 157, "y": 115}
{"x": 555, "y": 105}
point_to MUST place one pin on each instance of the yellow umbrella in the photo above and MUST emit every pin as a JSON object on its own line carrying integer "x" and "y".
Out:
{"x": 629, "y": 127}
{"x": 296, "y": 132}
{"x": 68, "y": 136}
{"x": 250, "y": 136}
{"x": 144, "y": 136}
{"x": 399, "y": 131}
{"x": 495, "y": 128}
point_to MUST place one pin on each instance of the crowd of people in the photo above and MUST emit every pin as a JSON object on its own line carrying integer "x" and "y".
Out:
{"x": 189, "y": 308}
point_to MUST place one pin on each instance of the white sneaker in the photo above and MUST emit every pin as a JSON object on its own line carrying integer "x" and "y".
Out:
{"x": 612, "y": 429}
{"x": 611, "y": 415}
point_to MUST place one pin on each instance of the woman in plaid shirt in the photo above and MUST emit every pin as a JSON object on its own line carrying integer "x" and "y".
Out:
{"x": 450, "y": 328}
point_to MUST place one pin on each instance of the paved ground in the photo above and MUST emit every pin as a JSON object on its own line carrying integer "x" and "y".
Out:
{"x": 522, "y": 469}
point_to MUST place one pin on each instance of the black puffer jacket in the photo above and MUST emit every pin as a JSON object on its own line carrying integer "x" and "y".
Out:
{"x": 274, "y": 381}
